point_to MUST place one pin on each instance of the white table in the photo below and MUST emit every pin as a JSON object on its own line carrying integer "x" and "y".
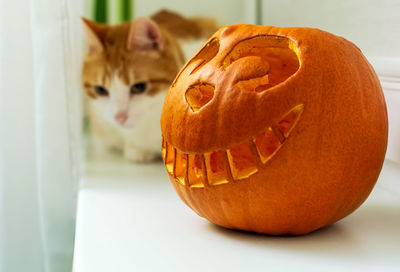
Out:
{"x": 130, "y": 219}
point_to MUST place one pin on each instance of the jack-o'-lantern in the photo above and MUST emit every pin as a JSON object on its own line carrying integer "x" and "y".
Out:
{"x": 274, "y": 130}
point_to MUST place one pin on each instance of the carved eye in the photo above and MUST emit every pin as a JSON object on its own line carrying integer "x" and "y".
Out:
{"x": 139, "y": 87}
{"x": 205, "y": 55}
{"x": 100, "y": 90}
{"x": 265, "y": 61}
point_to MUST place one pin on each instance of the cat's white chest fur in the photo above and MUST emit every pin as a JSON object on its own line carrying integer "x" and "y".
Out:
{"x": 138, "y": 135}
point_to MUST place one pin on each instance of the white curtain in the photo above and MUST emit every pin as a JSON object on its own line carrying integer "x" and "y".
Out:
{"x": 39, "y": 133}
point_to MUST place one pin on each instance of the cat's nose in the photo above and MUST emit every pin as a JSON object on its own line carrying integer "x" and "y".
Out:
{"x": 121, "y": 117}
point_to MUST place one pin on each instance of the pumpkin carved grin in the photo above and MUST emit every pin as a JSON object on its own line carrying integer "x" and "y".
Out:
{"x": 236, "y": 163}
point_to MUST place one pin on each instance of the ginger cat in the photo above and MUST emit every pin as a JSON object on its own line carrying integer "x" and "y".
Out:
{"x": 126, "y": 74}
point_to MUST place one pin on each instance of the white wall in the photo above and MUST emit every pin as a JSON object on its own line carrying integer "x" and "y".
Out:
{"x": 226, "y": 11}
{"x": 371, "y": 24}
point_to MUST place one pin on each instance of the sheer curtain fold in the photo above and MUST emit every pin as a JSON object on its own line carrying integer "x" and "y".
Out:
{"x": 39, "y": 133}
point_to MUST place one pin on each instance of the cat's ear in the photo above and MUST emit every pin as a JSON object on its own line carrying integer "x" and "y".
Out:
{"x": 94, "y": 35}
{"x": 144, "y": 34}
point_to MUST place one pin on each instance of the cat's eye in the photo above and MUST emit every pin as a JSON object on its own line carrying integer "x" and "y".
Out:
{"x": 139, "y": 87}
{"x": 100, "y": 90}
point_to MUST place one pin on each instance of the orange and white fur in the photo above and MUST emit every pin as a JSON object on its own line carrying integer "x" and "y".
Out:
{"x": 126, "y": 74}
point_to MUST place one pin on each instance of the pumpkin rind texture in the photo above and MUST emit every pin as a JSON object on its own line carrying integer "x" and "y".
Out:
{"x": 274, "y": 130}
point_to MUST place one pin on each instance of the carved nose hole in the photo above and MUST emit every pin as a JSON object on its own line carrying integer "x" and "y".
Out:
{"x": 199, "y": 95}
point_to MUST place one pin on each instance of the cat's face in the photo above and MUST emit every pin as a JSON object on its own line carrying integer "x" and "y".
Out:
{"x": 128, "y": 69}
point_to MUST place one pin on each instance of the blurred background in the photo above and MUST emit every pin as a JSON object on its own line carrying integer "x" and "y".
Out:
{"x": 43, "y": 132}
{"x": 372, "y": 25}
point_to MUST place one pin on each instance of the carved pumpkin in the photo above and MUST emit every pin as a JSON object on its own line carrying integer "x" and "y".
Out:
{"x": 274, "y": 130}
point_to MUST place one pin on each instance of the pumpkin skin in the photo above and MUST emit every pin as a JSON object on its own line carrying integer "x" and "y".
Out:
{"x": 254, "y": 141}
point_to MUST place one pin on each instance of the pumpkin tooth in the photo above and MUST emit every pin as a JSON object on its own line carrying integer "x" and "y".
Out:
{"x": 163, "y": 149}
{"x": 170, "y": 159}
{"x": 215, "y": 166}
{"x": 242, "y": 161}
{"x": 278, "y": 133}
{"x": 196, "y": 174}
{"x": 289, "y": 120}
{"x": 180, "y": 167}
{"x": 267, "y": 144}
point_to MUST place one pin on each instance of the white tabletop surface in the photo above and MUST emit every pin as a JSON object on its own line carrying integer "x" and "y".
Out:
{"x": 130, "y": 219}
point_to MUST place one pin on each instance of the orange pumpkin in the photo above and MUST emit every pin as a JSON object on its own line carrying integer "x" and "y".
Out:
{"x": 274, "y": 130}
